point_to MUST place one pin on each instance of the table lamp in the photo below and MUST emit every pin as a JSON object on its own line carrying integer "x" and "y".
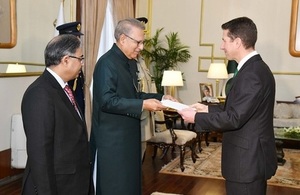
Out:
{"x": 15, "y": 68}
{"x": 217, "y": 71}
{"x": 172, "y": 78}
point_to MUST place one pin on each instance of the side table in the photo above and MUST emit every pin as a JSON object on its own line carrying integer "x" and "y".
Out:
{"x": 280, "y": 138}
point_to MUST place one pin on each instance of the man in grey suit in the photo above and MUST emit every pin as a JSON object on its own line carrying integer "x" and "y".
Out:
{"x": 117, "y": 107}
{"x": 57, "y": 141}
{"x": 248, "y": 144}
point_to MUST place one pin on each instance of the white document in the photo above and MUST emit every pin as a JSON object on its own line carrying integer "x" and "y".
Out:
{"x": 174, "y": 105}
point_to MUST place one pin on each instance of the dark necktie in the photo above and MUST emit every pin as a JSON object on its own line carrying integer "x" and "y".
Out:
{"x": 235, "y": 72}
{"x": 229, "y": 82}
{"x": 71, "y": 96}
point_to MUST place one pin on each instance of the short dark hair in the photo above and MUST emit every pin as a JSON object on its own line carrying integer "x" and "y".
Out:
{"x": 243, "y": 28}
{"x": 125, "y": 27}
{"x": 60, "y": 46}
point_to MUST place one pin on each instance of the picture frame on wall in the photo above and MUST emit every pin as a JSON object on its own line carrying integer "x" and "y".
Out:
{"x": 206, "y": 91}
{"x": 294, "y": 42}
{"x": 8, "y": 35}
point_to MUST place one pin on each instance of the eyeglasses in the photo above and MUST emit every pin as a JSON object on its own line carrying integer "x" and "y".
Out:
{"x": 78, "y": 58}
{"x": 137, "y": 42}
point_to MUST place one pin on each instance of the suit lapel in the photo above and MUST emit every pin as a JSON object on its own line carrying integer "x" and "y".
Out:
{"x": 239, "y": 75}
{"x": 64, "y": 97}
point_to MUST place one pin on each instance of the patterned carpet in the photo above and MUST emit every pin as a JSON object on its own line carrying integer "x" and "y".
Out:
{"x": 208, "y": 165}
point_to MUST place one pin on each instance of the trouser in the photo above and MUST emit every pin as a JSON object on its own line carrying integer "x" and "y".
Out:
{"x": 257, "y": 187}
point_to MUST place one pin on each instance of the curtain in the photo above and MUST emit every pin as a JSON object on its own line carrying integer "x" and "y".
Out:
{"x": 93, "y": 13}
{"x": 122, "y": 9}
{"x": 92, "y": 19}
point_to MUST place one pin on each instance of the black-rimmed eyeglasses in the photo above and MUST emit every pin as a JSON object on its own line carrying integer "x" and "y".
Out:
{"x": 78, "y": 58}
{"x": 137, "y": 42}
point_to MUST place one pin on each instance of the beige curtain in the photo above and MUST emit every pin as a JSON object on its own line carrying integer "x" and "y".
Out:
{"x": 123, "y": 9}
{"x": 92, "y": 19}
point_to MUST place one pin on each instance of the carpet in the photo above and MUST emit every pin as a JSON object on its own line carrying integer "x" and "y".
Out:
{"x": 161, "y": 193}
{"x": 208, "y": 165}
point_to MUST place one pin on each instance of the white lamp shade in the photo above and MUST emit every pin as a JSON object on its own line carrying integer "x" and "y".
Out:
{"x": 172, "y": 78}
{"x": 15, "y": 68}
{"x": 217, "y": 71}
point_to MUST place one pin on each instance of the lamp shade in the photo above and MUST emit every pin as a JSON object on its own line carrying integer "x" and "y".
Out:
{"x": 172, "y": 78}
{"x": 217, "y": 71}
{"x": 15, "y": 68}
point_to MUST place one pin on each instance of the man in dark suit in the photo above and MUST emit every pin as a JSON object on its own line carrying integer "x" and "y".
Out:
{"x": 76, "y": 84}
{"x": 248, "y": 143}
{"x": 57, "y": 141}
{"x": 117, "y": 107}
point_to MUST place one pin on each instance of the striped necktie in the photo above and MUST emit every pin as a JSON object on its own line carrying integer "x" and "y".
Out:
{"x": 71, "y": 97}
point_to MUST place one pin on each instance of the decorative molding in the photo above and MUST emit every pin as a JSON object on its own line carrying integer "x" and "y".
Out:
{"x": 149, "y": 24}
{"x": 211, "y": 58}
{"x": 22, "y": 74}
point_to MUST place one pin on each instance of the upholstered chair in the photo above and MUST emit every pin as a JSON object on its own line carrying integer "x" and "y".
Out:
{"x": 166, "y": 137}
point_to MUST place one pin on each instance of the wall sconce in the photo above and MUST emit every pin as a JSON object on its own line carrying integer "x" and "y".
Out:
{"x": 172, "y": 78}
{"x": 217, "y": 71}
{"x": 15, "y": 68}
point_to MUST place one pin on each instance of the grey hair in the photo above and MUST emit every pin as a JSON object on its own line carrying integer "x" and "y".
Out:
{"x": 59, "y": 47}
{"x": 125, "y": 27}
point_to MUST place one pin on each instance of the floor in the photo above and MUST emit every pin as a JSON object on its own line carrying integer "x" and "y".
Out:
{"x": 153, "y": 181}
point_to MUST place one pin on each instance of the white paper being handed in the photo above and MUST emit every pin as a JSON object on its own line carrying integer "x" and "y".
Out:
{"x": 174, "y": 105}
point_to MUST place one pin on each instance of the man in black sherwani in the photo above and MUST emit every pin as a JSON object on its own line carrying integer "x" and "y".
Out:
{"x": 117, "y": 108}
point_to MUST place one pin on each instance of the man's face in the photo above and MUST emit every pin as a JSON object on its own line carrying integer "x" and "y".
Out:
{"x": 133, "y": 43}
{"x": 228, "y": 46}
{"x": 75, "y": 64}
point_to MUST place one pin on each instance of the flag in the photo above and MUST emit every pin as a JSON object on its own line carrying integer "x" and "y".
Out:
{"x": 106, "y": 42}
{"x": 60, "y": 18}
{"x": 107, "y": 36}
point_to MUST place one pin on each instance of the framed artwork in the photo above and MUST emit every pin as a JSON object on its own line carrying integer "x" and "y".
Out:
{"x": 294, "y": 43}
{"x": 206, "y": 91}
{"x": 8, "y": 33}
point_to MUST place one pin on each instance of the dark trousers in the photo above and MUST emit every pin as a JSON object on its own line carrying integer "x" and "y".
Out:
{"x": 257, "y": 187}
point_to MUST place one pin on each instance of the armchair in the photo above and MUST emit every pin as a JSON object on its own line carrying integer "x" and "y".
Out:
{"x": 166, "y": 137}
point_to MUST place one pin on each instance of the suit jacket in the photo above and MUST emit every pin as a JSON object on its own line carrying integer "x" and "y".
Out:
{"x": 248, "y": 144}
{"x": 116, "y": 131}
{"x": 57, "y": 141}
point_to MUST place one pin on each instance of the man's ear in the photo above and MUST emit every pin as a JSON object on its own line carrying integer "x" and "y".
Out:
{"x": 65, "y": 60}
{"x": 238, "y": 42}
{"x": 122, "y": 38}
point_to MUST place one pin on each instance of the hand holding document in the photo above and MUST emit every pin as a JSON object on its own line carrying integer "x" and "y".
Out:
{"x": 186, "y": 112}
{"x": 174, "y": 105}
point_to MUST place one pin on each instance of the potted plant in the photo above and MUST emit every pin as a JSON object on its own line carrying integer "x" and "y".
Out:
{"x": 163, "y": 55}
